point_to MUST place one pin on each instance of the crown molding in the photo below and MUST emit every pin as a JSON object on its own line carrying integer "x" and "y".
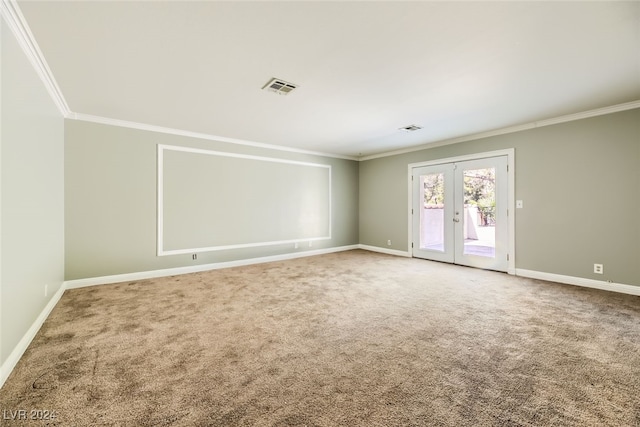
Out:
{"x": 590, "y": 113}
{"x": 15, "y": 20}
{"x": 511, "y": 129}
{"x": 198, "y": 135}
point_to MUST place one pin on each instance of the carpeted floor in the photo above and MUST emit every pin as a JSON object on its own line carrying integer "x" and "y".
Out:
{"x": 347, "y": 339}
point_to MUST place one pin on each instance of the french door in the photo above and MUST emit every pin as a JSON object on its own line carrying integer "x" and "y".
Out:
{"x": 459, "y": 213}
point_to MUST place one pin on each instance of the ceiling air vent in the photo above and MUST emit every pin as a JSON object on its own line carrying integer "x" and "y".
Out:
{"x": 279, "y": 86}
{"x": 411, "y": 128}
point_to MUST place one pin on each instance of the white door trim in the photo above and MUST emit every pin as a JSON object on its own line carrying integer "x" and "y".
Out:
{"x": 510, "y": 153}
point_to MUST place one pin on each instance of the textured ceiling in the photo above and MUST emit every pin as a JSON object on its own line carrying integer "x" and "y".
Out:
{"x": 364, "y": 69}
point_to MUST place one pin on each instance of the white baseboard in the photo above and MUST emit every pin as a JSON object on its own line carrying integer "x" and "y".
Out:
{"x": 21, "y": 347}
{"x": 385, "y": 250}
{"x": 128, "y": 277}
{"x": 579, "y": 281}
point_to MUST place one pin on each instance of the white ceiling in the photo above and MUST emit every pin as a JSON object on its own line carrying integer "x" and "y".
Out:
{"x": 364, "y": 69}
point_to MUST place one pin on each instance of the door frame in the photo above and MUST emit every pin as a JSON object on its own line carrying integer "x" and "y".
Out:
{"x": 511, "y": 216}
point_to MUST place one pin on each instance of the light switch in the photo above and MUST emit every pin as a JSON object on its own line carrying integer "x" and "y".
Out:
{"x": 519, "y": 204}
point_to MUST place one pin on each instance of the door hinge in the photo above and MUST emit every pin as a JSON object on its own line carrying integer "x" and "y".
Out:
{"x": 507, "y": 212}
{"x": 507, "y": 257}
{"x": 412, "y": 244}
{"x": 411, "y": 211}
{"x": 507, "y": 168}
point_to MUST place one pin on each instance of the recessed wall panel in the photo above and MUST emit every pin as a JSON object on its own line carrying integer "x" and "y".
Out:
{"x": 209, "y": 200}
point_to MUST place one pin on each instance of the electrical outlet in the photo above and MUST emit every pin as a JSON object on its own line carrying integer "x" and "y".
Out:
{"x": 194, "y": 256}
{"x": 295, "y": 245}
{"x": 388, "y": 242}
{"x": 598, "y": 268}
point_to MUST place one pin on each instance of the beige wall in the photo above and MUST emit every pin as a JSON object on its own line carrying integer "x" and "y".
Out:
{"x": 32, "y": 215}
{"x": 110, "y": 201}
{"x": 580, "y": 183}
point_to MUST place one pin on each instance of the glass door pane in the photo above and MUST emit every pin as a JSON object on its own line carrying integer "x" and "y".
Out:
{"x": 432, "y": 212}
{"x": 479, "y": 216}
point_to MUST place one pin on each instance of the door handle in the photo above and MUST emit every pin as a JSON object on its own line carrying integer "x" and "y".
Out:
{"x": 456, "y": 220}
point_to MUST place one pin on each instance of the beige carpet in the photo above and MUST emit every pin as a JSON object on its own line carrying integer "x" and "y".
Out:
{"x": 346, "y": 339}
